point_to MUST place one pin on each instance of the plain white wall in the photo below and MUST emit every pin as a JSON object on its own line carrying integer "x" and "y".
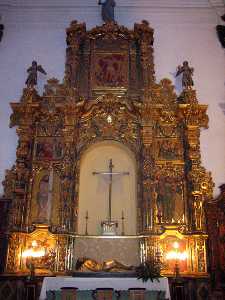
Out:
{"x": 184, "y": 30}
{"x": 94, "y": 189}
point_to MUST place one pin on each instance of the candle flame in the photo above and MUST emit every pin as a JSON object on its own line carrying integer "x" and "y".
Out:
{"x": 32, "y": 253}
{"x": 177, "y": 255}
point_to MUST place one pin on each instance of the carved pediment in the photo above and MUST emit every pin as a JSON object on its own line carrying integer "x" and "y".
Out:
{"x": 110, "y": 31}
{"x": 110, "y": 117}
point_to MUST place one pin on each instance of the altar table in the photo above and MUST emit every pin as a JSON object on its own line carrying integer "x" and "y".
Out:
{"x": 56, "y": 283}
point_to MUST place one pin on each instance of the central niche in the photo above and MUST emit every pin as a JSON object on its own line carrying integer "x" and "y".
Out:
{"x": 94, "y": 189}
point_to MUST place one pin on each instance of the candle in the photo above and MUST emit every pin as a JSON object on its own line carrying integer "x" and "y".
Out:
{"x": 87, "y": 214}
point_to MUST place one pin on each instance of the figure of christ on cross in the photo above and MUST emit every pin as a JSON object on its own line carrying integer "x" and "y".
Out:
{"x": 110, "y": 173}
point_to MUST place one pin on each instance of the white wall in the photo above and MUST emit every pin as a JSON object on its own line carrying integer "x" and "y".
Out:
{"x": 184, "y": 29}
{"x": 94, "y": 189}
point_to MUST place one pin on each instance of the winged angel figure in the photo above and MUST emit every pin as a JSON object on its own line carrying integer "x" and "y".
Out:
{"x": 32, "y": 74}
{"x": 187, "y": 80}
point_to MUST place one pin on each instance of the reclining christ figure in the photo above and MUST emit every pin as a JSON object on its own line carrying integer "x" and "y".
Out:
{"x": 113, "y": 265}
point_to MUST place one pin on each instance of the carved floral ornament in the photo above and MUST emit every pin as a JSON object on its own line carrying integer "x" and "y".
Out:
{"x": 194, "y": 115}
{"x": 75, "y": 33}
{"x": 201, "y": 181}
{"x": 110, "y": 30}
{"x": 110, "y": 117}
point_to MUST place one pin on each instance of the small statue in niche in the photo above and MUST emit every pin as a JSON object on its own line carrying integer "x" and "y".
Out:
{"x": 21, "y": 177}
{"x": 9, "y": 183}
{"x": 32, "y": 71}
{"x": 23, "y": 149}
{"x": 187, "y": 80}
{"x": 107, "y": 10}
{"x": 198, "y": 211}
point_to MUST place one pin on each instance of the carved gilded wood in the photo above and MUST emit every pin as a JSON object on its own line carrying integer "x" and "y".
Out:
{"x": 109, "y": 92}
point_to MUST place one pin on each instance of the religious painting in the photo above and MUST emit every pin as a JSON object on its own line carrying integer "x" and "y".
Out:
{"x": 49, "y": 149}
{"x": 169, "y": 199}
{"x": 111, "y": 70}
{"x": 169, "y": 150}
{"x": 45, "y": 202}
{"x": 43, "y": 199}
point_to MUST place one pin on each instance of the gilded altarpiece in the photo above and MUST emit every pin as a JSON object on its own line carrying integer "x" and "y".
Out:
{"x": 109, "y": 92}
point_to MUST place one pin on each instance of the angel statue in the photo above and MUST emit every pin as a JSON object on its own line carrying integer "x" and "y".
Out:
{"x": 32, "y": 74}
{"x": 187, "y": 80}
{"x": 107, "y": 10}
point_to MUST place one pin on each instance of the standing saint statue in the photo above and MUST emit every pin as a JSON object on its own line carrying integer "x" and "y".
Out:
{"x": 187, "y": 80}
{"x": 107, "y": 10}
{"x": 32, "y": 74}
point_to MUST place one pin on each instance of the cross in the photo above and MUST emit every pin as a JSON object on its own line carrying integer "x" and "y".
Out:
{"x": 110, "y": 173}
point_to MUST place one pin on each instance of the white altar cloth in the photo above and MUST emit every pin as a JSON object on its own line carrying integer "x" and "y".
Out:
{"x": 56, "y": 283}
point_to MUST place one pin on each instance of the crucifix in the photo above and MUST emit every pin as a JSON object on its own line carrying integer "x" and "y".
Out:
{"x": 111, "y": 174}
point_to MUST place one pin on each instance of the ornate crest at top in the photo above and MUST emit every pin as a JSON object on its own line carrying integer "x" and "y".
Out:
{"x": 110, "y": 31}
{"x": 109, "y": 58}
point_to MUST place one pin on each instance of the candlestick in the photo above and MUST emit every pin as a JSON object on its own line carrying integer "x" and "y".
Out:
{"x": 86, "y": 225}
{"x": 123, "y": 230}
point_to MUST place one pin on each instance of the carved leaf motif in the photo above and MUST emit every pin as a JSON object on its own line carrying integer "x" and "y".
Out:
{"x": 194, "y": 114}
{"x": 110, "y": 30}
{"x": 163, "y": 93}
{"x": 113, "y": 118}
{"x": 201, "y": 181}
{"x": 75, "y": 33}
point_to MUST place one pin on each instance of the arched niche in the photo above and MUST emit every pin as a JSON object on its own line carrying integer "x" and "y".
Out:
{"x": 94, "y": 189}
